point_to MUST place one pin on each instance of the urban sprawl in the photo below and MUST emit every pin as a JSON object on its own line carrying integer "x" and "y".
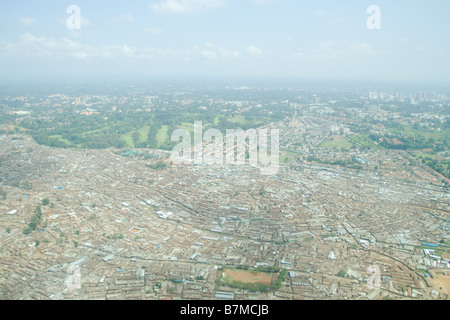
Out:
{"x": 93, "y": 207}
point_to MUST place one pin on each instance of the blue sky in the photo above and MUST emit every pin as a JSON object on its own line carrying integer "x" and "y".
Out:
{"x": 322, "y": 39}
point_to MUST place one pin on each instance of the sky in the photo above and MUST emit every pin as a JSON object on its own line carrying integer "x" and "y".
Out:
{"x": 286, "y": 39}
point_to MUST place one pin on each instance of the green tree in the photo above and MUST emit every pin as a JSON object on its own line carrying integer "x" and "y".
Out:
{"x": 262, "y": 191}
{"x": 341, "y": 273}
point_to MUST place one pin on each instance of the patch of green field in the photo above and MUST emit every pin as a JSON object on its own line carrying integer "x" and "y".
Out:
{"x": 143, "y": 133}
{"x": 422, "y": 155}
{"x": 335, "y": 144}
{"x": 128, "y": 138}
{"x": 60, "y": 138}
{"x": 288, "y": 156}
{"x": 364, "y": 140}
{"x": 188, "y": 126}
{"x": 92, "y": 132}
{"x": 131, "y": 130}
{"x": 410, "y": 131}
{"x": 237, "y": 119}
{"x": 162, "y": 135}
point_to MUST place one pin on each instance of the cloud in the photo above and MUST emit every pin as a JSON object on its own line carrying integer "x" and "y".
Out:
{"x": 253, "y": 51}
{"x": 85, "y": 22}
{"x": 335, "y": 51}
{"x": 212, "y": 51}
{"x": 420, "y": 48}
{"x": 405, "y": 41}
{"x": 80, "y": 55}
{"x": 361, "y": 48}
{"x": 30, "y": 46}
{"x": 27, "y": 21}
{"x": 127, "y": 50}
{"x": 328, "y": 49}
{"x": 154, "y": 31}
{"x": 209, "y": 54}
{"x": 287, "y": 39}
{"x": 330, "y": 17}
{"x": 123, "y": 18}
{"x": 185, "y": 6}
{"x": 75, "y": 34}
{"x": 321, "y": 13}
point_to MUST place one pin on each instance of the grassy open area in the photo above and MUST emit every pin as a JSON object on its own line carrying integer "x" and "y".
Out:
{"x": 288, "y": 156}
{"x": 335, "y": 143}
{"x": 188, "y": 126}
{"x": 364, "y": 140}
{"x": 129, "y": 130}
{"x": 262, "y": 279}
{"x": 162, "y": 135}
{"x": 237, "y": 119}
{"x": 410, "y": 131}
{"x": 93, "y": 132}
{"x": 438, "y": 163}
{"x": 60, "y": 138}
{"x": 128, "y": 138}
{"x": 216, "y": 120}
{"x": 421, "y": 155}
{"x": 143, "y": 133}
